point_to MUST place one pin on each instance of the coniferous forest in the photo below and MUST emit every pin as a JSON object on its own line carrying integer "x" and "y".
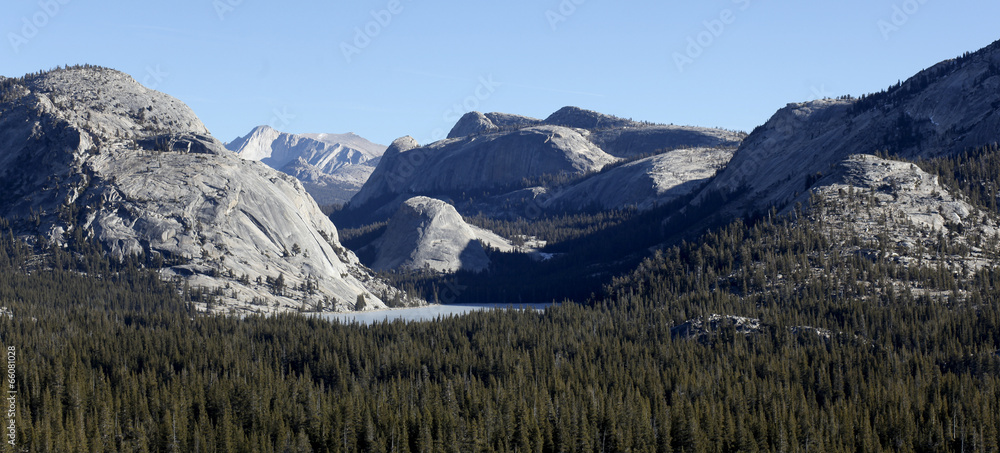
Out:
{"x": 758, "y": 336}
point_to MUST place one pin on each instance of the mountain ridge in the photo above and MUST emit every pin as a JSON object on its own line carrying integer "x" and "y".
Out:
{"x": 429, "y": 234}
{"x": 436, "y": 169}
{"x": 332, "y": 167}
{"x": 950, "y": 107}
{"x": 89, "y": 152}
{"x": 480, "y": 162}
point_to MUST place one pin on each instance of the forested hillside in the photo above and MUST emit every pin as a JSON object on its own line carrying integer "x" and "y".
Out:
{"x": 815, "y": 348}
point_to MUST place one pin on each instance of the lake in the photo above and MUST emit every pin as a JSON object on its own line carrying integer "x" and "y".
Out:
{"x": 427, "y": 313}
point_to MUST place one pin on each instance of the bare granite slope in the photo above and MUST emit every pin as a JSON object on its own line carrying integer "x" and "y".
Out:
{"x": 616, "y": 136}
{"x": 480, "y": 163}
{"x": 904, "y": 211}
{"x": 503, "y": 156}
{"x": 948, "y": 108}
{"x": 645, "y": 140}
{"x": 332, "y": 167}
{"x": 92, "y": 149}
{"x": 429, "y": 234}
{"x": 474, "y": 123}
{"x": 645, "y": 183}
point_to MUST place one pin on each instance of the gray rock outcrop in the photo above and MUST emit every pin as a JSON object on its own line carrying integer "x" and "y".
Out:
{"x": 948, "y": 108}
{"x": 476, "y": 163}
{"x": 516, "y": 160}
{"x": 429, "y": 234}
{"x": 92, "y": 149}
{"x": 588, "y": 119}
{"x": 639, "y": 141}
{"x": 332, "y": 167}
{"x": 475, "y": 123}
{"x": 913, "y": 195}
{"x": 616, "y": 136}
{"x": 472, "y": 123}
{"x": 881, "y": 208}
{"x": 647, "y": 183}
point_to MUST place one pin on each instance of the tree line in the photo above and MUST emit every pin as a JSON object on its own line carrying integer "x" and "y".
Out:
{"x": 853, "y": 352}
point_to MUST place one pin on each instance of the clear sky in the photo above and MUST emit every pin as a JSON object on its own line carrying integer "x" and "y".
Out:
{"x": 388, "y": 68}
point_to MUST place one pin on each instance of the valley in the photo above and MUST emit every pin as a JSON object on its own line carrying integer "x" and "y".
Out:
{"x": 828, "y": 281}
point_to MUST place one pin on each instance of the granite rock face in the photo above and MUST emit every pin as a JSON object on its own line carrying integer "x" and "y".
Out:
{"x": 429, "y": 234}
{"x": 914, "y": 196}
{"x": 475, "y": 123}
{"x": 946, "y": 109}
{"x": 92, "y": 149}
{"x": 502, "y": 155}
{"x": 616, "y": 136}
{"x": 634, "y": 142}
{"x": 332, "y": 167}
{"x": 484, "y": 162}
{"x": 588, "y": 119}
{"x": 646, "y": 183}
{"x": 902, "y": 209}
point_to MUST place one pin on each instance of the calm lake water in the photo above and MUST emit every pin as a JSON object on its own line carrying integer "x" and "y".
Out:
{"x": 428, "y": 313}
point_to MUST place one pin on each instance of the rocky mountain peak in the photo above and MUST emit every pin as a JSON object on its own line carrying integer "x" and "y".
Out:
{"x": 429, "y": 234}
{"x": 587, "y": 119}
{"x": 482, "y": 162}
{"x": 333, "y": 167}
{"x": 472, "y": 123}
{"x": 328, "y": 151}
{"x": 88, "y": 152}
{"x": 109, "y": 103}
{"x": 493, "y": 151}
{"x": 476, "y": 123}
{"x": 402, "y": 145}
{"x": 262, "y": 133}
{"x": 950, "y": 107}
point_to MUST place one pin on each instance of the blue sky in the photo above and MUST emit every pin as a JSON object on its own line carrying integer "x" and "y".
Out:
{"x": 388, "y": 68}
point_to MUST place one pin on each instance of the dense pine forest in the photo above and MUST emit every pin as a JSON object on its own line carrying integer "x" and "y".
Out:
{"x": 815, "y": 350}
